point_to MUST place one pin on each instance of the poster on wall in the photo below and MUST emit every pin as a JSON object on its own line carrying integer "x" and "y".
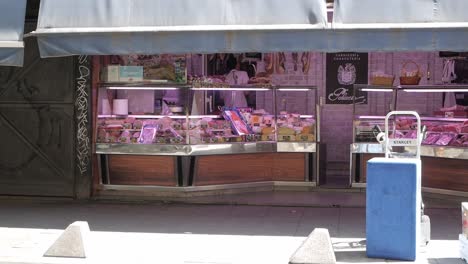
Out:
{"x": 343, "y": 70}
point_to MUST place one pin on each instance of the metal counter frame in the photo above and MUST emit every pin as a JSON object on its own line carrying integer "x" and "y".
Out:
{"x": 185, "y": 155}
{"x": 205, "y": 149}
{"x": 445, "y": 152}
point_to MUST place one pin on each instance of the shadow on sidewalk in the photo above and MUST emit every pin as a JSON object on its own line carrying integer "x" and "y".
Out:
{"x": 205, "y": 219}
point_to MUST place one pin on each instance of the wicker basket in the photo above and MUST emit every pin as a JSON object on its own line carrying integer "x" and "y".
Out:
{"x": 410, "y": 80}
{"x": 382, "y": 81}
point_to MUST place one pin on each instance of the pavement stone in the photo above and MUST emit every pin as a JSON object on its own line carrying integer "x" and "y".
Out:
{"x": 175, "y": 233}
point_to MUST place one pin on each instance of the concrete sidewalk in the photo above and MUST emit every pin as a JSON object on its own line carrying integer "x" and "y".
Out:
{"x": 187, "y": 233}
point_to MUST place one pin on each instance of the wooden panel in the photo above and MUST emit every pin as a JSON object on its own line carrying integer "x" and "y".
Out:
{"x": 227, "y": 169}
{"x": 448, "y": 174}
{"x": 289, "y": 167}
{"x": 364, "y": 159}
{"x": 142, "y": 170}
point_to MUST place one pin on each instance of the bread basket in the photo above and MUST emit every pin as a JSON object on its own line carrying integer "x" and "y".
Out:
{"x": 382, "y": 80}
{"x": 410, "y": 78}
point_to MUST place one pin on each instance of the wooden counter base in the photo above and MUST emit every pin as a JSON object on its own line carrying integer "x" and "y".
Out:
{"x": 142, "y": 170}
{"x": 228, "y": 169}
{"x": 206, "y": 170}
{"x": 438, "y": 173}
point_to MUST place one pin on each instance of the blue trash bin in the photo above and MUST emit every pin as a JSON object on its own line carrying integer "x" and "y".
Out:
{"x": 393, "y": 212}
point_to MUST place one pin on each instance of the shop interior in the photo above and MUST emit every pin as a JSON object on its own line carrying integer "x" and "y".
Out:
{"x": 245, "y": 119}
{"x": 268, "y": 94}
{"x": 216, "y": 119}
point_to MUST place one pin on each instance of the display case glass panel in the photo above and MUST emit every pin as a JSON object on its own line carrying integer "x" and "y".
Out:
{"x": 296, "y": 114}
{"x": 445, "y": 126}
{"x": 142, "y": 113}
{"x": 232, "y": 119}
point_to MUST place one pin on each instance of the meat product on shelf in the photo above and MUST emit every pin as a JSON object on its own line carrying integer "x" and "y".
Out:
{"x": 431, "y": 139}
{"x": 445, "y": 139}
{"x": 148, "y": 132}
{"x": 451, "y": 128}
{"x": 281, "y": 60}
{"x": 455, "y": 108}
{"x": 464, "y": 140}
{"x": 260, "y": 80}
{"x": 411, "y": 134}
{"x": 398, "y": 134}
{"x": 404, "y": 124}
{"x": 305, "y": 62}
{"x": 239, "y": 125}
{"x": 436, "y": 128}
{"x": 460, "y": 141}
{"x": 464, "y": 129}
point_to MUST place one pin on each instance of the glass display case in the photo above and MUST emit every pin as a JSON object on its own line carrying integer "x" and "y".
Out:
{"x": 155, "y": 130}
{"x": 147, "y": 118}
{"x": 446, "y": 126}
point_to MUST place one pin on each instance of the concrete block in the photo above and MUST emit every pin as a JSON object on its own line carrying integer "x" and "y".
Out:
{"x": 463, "y": 247}
{"x": 316, "y": 249}
{"x": 425, "y": 230}
{"x": 464, "y": 207}
{"x": 71, "y": 243}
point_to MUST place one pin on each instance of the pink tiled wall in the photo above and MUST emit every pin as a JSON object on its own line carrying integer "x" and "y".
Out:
{"x": 336, "y": 125}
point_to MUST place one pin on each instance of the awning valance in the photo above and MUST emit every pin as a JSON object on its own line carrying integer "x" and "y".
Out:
{"x": 70, "y": 27}
{"x": 12, "y": 14}
{"x": 400, "y": 25}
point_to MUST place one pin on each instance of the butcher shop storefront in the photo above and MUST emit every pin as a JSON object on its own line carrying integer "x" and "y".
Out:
{"x": 224, "y": 95}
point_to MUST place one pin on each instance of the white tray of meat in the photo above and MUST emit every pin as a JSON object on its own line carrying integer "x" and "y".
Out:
{"x": 464, "y": 128}
{"x": 148, "y": 132}
{"x": 411, "y": 134}
{"x": 445, "y": 139}
{"x": 460, "y": 141}
{"x": 431, "y": 138}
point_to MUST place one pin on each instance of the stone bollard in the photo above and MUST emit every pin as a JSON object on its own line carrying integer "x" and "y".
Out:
{"x": 316, "y": 249}
{"x": 71, "y": 243}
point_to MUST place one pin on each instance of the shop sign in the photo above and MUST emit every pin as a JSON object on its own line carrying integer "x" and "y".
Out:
{"x": 343, "y": 70}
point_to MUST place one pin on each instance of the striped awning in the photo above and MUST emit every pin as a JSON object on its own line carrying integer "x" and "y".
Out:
{"x": 91, "y": 27}
{"x": 400, "y": 25}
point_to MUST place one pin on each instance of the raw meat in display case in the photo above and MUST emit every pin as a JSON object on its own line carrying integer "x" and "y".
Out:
{"x": 440, "y": 131}
{"x": 148, "y": 133}
{"x": 131, "y": 130}
{"x": 460, "y": 141}
{"x": 445, "y": 139}
{"x": 431, "y": 138}
{"x": 239, "y": 125}
{"x": 293, "y": 127}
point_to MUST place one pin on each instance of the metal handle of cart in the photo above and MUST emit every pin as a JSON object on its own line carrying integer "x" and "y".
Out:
{"x": 403, "y": 142}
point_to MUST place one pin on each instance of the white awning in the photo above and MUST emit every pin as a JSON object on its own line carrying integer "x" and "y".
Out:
{"x": 400, "y": 25}
{"x": 12, "y": 14}
{"x": 91, "y": 27}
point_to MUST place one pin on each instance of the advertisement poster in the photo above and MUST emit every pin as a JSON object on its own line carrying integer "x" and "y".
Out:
{"x": 343, "y": 70}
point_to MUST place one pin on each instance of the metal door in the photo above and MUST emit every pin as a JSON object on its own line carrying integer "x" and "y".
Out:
{"x": 37, "y": 126}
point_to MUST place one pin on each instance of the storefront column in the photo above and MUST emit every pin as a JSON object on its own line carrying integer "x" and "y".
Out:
{"x": 83, "y": 110}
